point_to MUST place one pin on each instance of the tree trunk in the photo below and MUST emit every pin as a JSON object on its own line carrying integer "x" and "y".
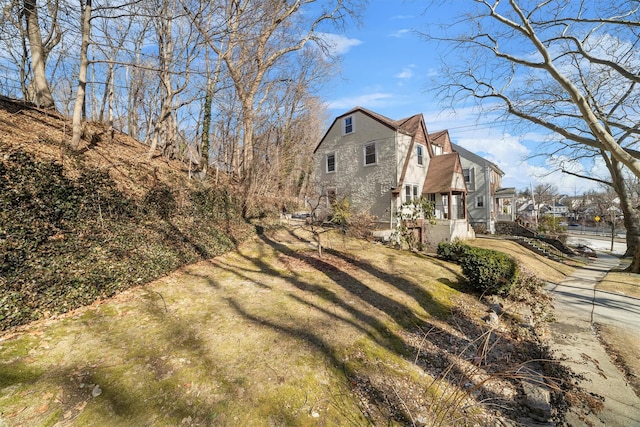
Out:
{"x": 206, "y": 126}
{"x": 82, "y": 77}
{"x": 38, "y": 91}
{"x": 630, "y": 212}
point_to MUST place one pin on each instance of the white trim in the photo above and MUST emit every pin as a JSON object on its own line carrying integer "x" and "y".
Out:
{"x": 364, "y": 154}
{"x": 343, "y": 125}
{"x": 326, "y": 162}
{"x": 419, "y": 157}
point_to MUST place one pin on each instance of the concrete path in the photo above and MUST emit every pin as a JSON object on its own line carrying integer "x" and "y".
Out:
{"x": 577, "y": 307}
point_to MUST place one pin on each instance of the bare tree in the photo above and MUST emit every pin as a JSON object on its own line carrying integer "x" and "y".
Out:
{"x": 255, "y": 37}
{"x": 25, "y": 17}
{"x": 570, "y": 67}
{"x": 78, "y": 108}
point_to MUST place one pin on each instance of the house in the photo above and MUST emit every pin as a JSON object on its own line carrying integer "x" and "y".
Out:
{"x": 487, "y": 201}
{"x": 378, "y": 164}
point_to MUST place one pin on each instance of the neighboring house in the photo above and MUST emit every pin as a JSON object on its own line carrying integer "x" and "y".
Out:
{"x": 556, "y": 210}
{"x": 378, "y": 164}
{"x": 487, "y": 201}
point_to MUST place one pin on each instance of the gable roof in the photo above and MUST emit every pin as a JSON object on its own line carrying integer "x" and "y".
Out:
{"x": 441, "y": 173}
{"x": 476, "y": 158}
{"x": 442, "y": 139}
{"x": 409, "y": 125}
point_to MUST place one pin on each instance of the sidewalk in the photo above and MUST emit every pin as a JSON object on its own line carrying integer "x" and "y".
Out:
{"x": 577, "y": 307}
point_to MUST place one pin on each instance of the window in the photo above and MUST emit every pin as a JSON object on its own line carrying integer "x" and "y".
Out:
{"x": 348, "y": 125}
{"x": 437, "y": 150}
{"x": 480, "y": 202}
{"x": 410, "y": 193}
{"x": 331, "y": 162}
{"x": 467, "y": 175}
{"x": 370, "y": 157}
{"x": 419, "y": 151}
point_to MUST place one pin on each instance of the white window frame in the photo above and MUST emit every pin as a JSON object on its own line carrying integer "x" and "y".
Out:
{"x": 364, "y": 154}
{"x": 411, "y": 192}
{"x": 350, "y": 127}
{"x": 480, "y": 201}
{"x": 327, "y": 162}
{"x": 420, "y": 154}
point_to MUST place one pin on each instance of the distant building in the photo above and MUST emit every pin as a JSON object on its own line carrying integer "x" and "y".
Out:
{"x": 487, "y": 200}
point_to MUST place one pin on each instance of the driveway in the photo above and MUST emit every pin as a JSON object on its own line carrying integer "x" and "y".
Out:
{"x": 578, "y": 306}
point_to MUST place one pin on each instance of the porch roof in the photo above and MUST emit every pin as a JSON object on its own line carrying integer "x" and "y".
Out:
{"x": 444, "y": 175}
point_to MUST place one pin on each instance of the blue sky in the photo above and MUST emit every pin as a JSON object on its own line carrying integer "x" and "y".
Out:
{"x": 389, "y": 69}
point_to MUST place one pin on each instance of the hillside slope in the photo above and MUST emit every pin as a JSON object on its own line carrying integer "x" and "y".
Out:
{"x": 77, "y": 225}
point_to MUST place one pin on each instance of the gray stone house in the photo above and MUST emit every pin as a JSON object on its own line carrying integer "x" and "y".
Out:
{"x": 487, "y": 202}
{"x": 378, "y": 164}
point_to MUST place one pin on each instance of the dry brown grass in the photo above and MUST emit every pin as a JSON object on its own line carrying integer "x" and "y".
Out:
{"x": 622, "y": 283}
{"x": 46, "y": 135}
{"x": 544, "y": 268}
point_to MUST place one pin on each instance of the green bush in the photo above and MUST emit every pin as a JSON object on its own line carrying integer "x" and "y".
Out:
{"x": 489, "y": 271}
{"x": 453, "y": 251}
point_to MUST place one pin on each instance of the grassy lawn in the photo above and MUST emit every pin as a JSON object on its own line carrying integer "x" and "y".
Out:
{"x": 544, "y": 268}
{"x": 622, "y": 283}
{"x": 271, "y": 334}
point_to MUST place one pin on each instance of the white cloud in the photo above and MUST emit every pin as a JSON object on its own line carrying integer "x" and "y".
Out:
{"x": 339, "y": 44}
{"x": 494, "y": 139}
{"x": 370, "y": 100}
{"x": 406, "y": 73}
{"x": 400, "y": 33}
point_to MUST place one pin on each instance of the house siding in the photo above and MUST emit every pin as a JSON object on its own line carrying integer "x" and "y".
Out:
{"x": 367, "y": 187}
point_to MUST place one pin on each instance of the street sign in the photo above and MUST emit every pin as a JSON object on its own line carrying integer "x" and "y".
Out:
{"x": 597, "y": 218}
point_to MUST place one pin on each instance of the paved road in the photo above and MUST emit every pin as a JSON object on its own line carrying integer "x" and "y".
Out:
{"x": 599, "y": 243}
{"x": 578, "y": 306}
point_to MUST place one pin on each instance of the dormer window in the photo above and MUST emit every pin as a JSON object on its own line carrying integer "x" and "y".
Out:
{"x": 348, "y": 125}
{"x": 420, "y": 155}
{"x": 437, "y": 149}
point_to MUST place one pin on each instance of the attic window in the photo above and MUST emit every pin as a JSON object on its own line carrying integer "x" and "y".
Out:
{"x": 437, "y": 150}
{"x": 419, "y": 153}
{"x": 348, "y": 125}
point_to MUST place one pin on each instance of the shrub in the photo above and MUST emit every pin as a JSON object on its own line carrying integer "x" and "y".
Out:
{"x": 340, "y": 212}
{"x": 489, "y": 271}
{"x": 453, "y": 251}
{"x": 361, "y": 226}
